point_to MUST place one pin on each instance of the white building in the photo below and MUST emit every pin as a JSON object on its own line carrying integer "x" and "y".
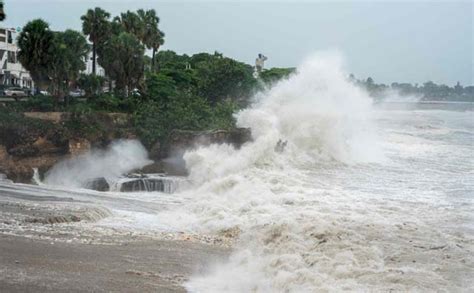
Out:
{"x": 98, "y": 69}
{"x": 11, "y": 71}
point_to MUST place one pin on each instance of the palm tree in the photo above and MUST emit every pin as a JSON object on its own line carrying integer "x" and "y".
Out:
{"x": 36, "y": 44}
{"x": 156, "y": 41}
{"x": 122, "y": 59}
{"x": 151, "y": 36}
{"x": 68, "y": 54}
{"x": 131, "y": 23}
{"x": 2, "y": 12}
{"x": 95, "y": 23}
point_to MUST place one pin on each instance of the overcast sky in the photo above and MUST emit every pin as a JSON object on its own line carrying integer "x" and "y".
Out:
{"x": 411, "y": 41}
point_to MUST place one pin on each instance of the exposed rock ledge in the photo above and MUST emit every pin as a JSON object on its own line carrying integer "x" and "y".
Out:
{"x": 23, "y": 148}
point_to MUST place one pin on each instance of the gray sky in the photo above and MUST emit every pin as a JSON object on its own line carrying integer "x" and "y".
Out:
{"x": 411, "y": 41}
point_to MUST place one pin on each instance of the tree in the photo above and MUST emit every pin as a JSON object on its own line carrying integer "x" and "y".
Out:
{"x": 95, "y": 24}
{"x": 170, "y": 60}
{"x": 68, "y": 53}
{"x": 2, "y": 12}
{"x": 169, "y": 108}
{"x": 275, "y": 74}
{"x": 122, "y": 59}
{"x": 91, "y": 84}
{"x": 36, "y": 44}
{"x": 151, "y": 36}
{"x": 131, "y": 23}
{"x": 223, "y": 78}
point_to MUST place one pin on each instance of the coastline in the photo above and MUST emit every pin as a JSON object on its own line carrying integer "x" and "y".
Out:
{"x": 34, "y": 265}
{"x": 53, "y": 244}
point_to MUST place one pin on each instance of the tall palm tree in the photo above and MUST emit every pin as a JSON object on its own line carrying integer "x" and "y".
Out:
{"x": 36, "y": 43}
{"x": 151, "y": 36}
{"x": 95, "y": 23}
{"x": 131, "y": 23}
{"x": 156, "y": 41}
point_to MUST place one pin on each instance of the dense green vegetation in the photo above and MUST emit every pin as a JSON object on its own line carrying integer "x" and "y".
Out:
{"x": 160, "y": 93}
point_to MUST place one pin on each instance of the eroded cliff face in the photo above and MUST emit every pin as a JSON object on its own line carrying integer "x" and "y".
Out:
{"x": 40, "y": 140}
{"x": 44, "y": 139}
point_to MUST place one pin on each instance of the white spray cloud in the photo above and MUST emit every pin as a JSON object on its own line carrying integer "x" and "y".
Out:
{"x": 120, "y": 157}
{"x": 267, "y": 195}
{"x": 320, "y": 114}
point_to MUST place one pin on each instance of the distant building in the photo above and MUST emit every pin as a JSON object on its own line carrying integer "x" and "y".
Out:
{"x": 98, "y": 69}
{"x": 11, "y": 71}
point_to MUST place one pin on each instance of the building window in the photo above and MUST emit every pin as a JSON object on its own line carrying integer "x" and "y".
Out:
{"x": 11, "y": 57}
{"x": 10, "y": 37}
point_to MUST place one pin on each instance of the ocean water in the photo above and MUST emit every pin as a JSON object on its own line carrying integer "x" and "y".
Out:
{"x": 364, "y": 197}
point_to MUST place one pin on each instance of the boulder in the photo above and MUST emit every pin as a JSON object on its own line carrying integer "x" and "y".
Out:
{"x": 98, "y": 184}
{"x": 143, "y": 184}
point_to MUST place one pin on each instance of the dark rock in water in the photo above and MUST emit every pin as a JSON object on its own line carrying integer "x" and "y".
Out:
{"x": 153, "y": 168}
{"x": 98, "y": 184}
{"x": 155, "y": 151}
{"x": 181, "y": 140}
{"x": 148, "y": 184}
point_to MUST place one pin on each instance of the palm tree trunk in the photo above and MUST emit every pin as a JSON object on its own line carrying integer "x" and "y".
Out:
{"x": 153, "y": 60}
{"x": 93, "y": 58}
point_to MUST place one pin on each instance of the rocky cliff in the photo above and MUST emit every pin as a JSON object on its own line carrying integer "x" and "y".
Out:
{"x": 40, "y": 140}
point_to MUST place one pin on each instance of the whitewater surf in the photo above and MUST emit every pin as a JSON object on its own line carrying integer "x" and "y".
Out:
{"x": 360, "y": 198}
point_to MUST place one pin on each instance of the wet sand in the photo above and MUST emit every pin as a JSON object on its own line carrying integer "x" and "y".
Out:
{"x": 51, "y": 244}
{"x": 32, "y": 265}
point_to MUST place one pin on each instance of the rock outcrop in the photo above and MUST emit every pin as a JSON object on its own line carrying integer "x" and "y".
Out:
{"x": 41, "y": 139}
{"x": 182, "y": 140}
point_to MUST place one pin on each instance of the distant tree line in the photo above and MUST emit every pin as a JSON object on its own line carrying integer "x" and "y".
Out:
{"x": 427, "y": 91}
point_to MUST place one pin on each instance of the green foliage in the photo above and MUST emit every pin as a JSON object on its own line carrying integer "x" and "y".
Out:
{"x": 91, "y": 84}
{"x": 53, "y": 58}
{"x": 95, "y": 24}
{"x": 188, "y": 112}
{"x": 223, "y": 115}
{"x": 112, "y": 103}
{"x": 35, "y": 43}
{"x": 152, "y": 37}
{"x": 39, "y": 104}
{"x": 131, "y": 23}
{"x": 273, "y": 75}
{"x": 122, "y": 58}
{"x": 11, "y": 121}
{"x": 223, "y": 78}
{"x": 69, "y": 51}
{"x": 154, "y": 122}
{"x": 170, "y": 60}
{"x": 160, "y": 88}
{"x": 2, "y": 12}
{"x": 170, "y": 107}
{"x": 83, "y": 122}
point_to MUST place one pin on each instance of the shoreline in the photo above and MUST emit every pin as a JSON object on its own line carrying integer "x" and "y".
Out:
{"x": 34, "y": 265}
{"x": 53, "y": 244}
